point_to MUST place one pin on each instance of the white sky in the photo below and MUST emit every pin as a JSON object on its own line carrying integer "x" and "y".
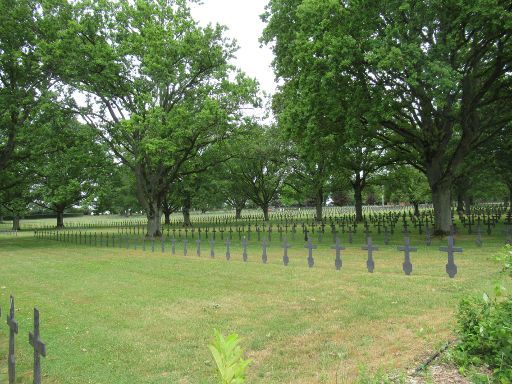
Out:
{"x": 242, "y": 18}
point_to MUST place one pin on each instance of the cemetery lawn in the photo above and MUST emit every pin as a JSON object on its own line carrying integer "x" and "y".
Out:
{"x": 123, "y": 316}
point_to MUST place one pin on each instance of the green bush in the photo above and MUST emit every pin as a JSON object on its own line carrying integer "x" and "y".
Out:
{"x": 485, "y": 331}
{"x": 228, "y": 357}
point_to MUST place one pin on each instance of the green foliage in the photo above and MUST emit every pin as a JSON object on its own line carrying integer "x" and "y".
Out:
{"x": 506, "y": 257}
{"x": 228, "y": 357}
{"x": 485, "y": 331}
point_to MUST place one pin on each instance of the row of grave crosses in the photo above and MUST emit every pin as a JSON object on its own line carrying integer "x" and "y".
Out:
{"x": 451, "y": 268}
{"x": 34, "y": 340}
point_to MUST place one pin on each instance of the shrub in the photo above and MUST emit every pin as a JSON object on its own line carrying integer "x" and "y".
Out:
{"x": 485, "y": 331}
{"x": 228, "y": 357}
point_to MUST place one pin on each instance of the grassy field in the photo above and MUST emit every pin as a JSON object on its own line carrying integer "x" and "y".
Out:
{"x": 126, "y": 316}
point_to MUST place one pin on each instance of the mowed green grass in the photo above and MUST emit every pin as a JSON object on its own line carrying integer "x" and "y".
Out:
{"x": 125, "y": 316}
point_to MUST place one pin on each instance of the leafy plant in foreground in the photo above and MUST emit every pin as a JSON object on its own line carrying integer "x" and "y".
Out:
{"x": 228, "y": 357}
{"x": 485, "y": 331}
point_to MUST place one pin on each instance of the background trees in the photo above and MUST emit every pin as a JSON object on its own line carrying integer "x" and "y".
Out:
{"x": 161, "y": 86}
{"x": 429, "y": 79}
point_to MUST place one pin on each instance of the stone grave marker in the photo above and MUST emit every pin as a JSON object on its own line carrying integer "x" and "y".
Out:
{"x": 407, "y": 249}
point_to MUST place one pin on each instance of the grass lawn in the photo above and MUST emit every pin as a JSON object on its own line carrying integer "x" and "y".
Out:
{"x": 124, "y": 316}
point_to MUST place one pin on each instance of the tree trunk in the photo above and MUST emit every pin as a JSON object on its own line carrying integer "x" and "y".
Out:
{"x": 16, "y": 223}
{"x": 238, "y": 213}
{"x": 264, "y": 208}
{"x": 167, "y": 214}
{"x": 319, "y": 202}
{"x": 467, "y": 204}
{"x": 187, "y": 204}
{"x": 510, "y": 197}
{"x": 440, "y": 187}
{"x": 460, "y": 203}
{"x": 416, "y": 208}
{"x": 60, "y": 217}
{"x": 358, "y": 197}
{"x": 154, "y": 215}
{"x": 441, "y": 200}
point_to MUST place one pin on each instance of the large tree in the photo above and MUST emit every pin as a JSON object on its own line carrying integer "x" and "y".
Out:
{"x": 161, "y": 89}
{"x": 25, "y": 78}
{"x": 73, "y": 172}
{"x": 432, "y": 76}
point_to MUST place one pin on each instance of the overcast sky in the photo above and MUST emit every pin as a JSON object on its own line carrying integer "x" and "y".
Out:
{"x": 242, "y": 17}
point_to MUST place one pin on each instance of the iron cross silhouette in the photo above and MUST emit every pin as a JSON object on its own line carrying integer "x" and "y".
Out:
{"x": 451, "y": 268}
{"x": 310, "y": 248}
{"x": 370, "y": 264}
{"x": 212, "y": 247}
{"x": 264, "y": 251}
{"x": 13, "y": 330}
{"x": 285, "y": 251}
{"x": 407, "y": 249}
{"x": 338, "y": 247}
{"x": 39, "y": 348}
{"x": 244, "y": 246}
{"x": 228, "y": 248}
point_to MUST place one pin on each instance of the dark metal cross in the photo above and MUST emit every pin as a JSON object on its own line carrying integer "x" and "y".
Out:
{"x": 386, "y": 235}
{"x": 338, "y": 247}
{"x": 428, "y": 235}
{"x": 39, "y": 348}
{"x": 212, "y": 247}
{"x": 173, "y": 246}
{"x": 185, "y": 247}
{"x": 244, "y": 246}
{"x": 350, "y": 234}
{"x": 228, "y": 249}
{"x": 13, "y": 330}
{"x": 264, "y": 251}
{"x": 370, "y": 264}
{"x": 310, "y": 248}
{"x": 285, "y": 246}
{"x": 478, "y": 240}
{"x": 198, "y": 247}
{"x": 407, "y": 249}
{"x": 451, "y": 268}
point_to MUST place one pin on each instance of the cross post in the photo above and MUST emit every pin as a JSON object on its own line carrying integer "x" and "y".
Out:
{"x": 13, "y": 330}
{"x": 285, "y": 247}
{"x": 407, "y": 249}
{"x": 451, "y": 268}
{"x": 370, "y": 264}
{"x": 39, "y": 348}
{"x": 264, "y": 257}
{"x": 310, "y": 248}
{"x": 338, "y": 247}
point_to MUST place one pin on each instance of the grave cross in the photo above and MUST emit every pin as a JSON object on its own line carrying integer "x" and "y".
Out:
{"x": 228, "y": 251}
{"x": 478, "y": 240}
{"x": 451, "y": 268}
{"x": 370, "y": 264}
{"x": 350, "y": 234}
{"x": 212, "y": 247}
{"x": 285, "y": 251}
{"x": 338, "y": 247}
{"x": 185, "y": 247}
{"x": 264, "y": 251}
{"x": 310, "y": 248}
{"x": 173, "y": 246}
{"x": 386, "y": 235}
{"x": 13, "y": 330}
{"x": 407, "y": 249}
{"x": 39, "y": 348}
{"x": 198, "y": 247}
{"x": 244, "y": 246}
{"x": 428, "y": 235}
